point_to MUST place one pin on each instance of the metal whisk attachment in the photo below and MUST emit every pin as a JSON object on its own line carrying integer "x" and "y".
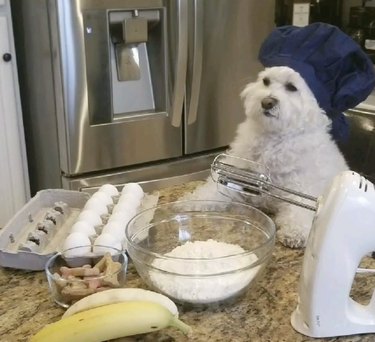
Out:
{"x": 253, "y": 179}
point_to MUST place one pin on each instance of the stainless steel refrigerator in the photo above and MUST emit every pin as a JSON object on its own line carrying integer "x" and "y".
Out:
{"x": 133, "y": 90}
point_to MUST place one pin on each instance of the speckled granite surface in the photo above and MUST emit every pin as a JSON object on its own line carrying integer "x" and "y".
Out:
{"x": 263, "y": 314}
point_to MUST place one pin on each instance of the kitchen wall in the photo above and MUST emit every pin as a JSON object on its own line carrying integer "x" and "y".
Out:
{"x": 14, "y": 183}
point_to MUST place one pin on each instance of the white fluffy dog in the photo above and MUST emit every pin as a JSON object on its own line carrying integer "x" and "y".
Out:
{"x": 286, "y": 130}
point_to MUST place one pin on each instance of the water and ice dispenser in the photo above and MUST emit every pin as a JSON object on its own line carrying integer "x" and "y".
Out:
{"x": 128, "y": 35}
{"x": 132, "y": 47}
{"x": 133, "y": 35}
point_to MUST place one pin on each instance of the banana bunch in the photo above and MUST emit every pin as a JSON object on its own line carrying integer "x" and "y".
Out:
{"x": 98, "y": 320}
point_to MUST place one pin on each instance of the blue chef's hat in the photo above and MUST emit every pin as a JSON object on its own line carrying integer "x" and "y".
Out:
{"x": 334, "y": 66}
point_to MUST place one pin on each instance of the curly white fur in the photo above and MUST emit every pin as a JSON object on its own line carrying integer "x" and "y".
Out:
{"x": 286, "y": 130}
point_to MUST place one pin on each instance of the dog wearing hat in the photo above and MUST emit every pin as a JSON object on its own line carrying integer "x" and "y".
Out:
{"x": 286, "y": 131}
{"x": 290, "y": 121}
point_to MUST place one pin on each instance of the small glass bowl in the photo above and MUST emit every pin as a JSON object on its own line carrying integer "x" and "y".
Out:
{"x": 72, "y": 276}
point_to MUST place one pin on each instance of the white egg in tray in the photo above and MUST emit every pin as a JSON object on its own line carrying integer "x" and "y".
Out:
{"x": 55, "y": 220}
{"x": 104, "y": 217}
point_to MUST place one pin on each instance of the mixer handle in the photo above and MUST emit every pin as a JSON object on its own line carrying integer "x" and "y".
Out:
{"x": 253, "y": 179}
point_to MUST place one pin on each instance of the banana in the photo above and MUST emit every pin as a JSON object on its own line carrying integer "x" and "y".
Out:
{"x": 111, "y": 321}
{"x": 113, "y": 296}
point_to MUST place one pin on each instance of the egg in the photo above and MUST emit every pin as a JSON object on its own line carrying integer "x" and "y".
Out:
{"x": 76, "y": 244}
{"x": 90, "y": 216}
{"x": 109, "y": 189}
{"x": 133, "y": 188}
{"x": 116, "y": 229}
{"x": 105, "y": 242}
{"x": 104, "y": 197}
{"x": 121, "y": 217}
{"x": 125, "y": 208}
{"x": 83, "y": 227}
{"x": 96, "y": 205}
{"x": 131, "y": 199}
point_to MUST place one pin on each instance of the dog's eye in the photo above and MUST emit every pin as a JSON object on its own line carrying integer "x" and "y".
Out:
{"x": 290, "y": 87}
{"x": 266, "y": 81}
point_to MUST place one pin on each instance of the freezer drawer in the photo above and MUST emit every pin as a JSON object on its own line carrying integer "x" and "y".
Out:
{"x": 152, "y": 177}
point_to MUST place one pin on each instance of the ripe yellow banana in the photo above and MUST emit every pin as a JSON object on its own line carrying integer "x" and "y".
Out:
{"x": 109, "y": 322}
{"x": 113, "y": 296}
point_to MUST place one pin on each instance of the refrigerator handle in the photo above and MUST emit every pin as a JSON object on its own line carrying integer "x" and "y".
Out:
{"x": 197, "y": 62}
{"x": 181, "y": 63}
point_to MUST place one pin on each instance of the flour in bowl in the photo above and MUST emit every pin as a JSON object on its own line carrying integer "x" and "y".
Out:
{"x": 206, "y": 280}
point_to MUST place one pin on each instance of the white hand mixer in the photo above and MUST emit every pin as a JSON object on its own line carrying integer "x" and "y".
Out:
{"x": 343, "y": 232}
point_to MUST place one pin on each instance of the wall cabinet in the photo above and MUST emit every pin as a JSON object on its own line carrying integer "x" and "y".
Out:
{"x": 14, "y": 183}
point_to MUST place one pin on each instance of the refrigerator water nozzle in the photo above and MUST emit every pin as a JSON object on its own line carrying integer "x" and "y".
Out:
{"x": 134, "y": 32}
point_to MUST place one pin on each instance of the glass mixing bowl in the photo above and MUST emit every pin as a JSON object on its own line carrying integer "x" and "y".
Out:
{"x": 200, "y": 252}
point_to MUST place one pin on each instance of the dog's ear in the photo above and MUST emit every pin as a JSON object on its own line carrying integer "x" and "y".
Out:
{"x": 321, "y": 119}
{"x": 315, "y": 115}
{"x": 247, "y": 90}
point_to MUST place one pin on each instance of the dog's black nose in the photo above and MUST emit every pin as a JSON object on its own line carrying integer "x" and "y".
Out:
{"x": 269, "y": 102}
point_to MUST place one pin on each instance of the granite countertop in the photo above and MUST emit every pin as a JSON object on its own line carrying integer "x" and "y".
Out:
{"x": 263, "y": 314}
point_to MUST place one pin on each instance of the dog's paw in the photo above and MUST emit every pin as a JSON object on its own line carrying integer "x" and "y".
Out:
{"x": 293, "y": 225}
{"x": 291, "y": 238}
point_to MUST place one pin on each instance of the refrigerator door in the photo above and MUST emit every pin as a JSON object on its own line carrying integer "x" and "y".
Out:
{"x": 225, "y": 37}
{"x": 100, "y": 129}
